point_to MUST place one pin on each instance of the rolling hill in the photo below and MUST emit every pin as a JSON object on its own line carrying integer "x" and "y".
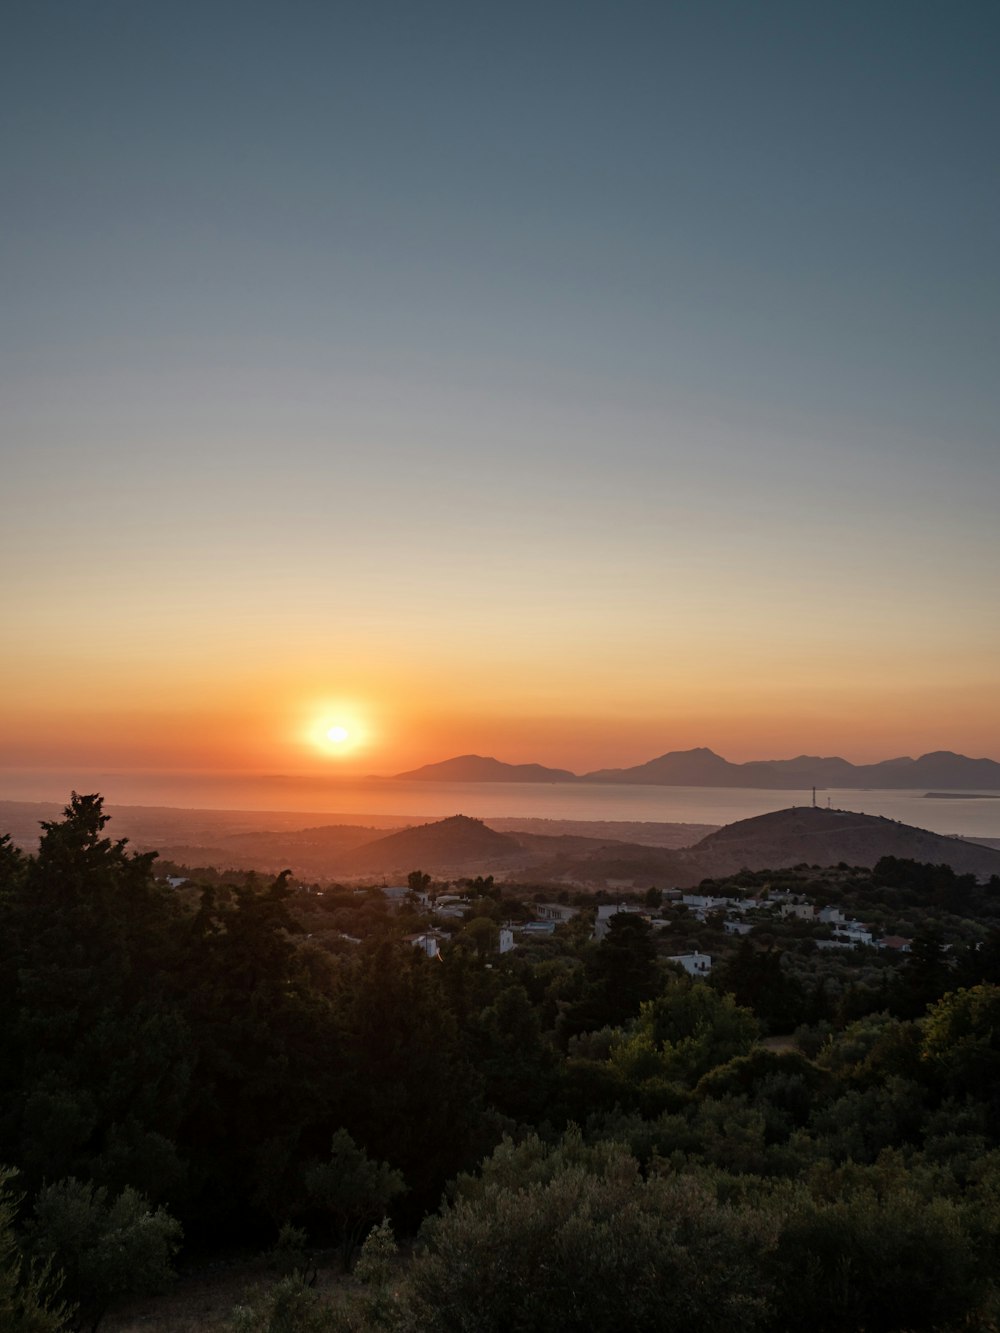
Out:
{"x": 778, "y": 840}
{"x": 460, "y": 846}
{"x": 457, "y": 845}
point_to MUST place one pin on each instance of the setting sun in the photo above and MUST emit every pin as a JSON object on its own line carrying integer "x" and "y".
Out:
{"x": 337, "y": 729}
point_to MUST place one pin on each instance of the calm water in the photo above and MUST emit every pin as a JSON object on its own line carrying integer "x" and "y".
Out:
{"x": 699, "y": 805}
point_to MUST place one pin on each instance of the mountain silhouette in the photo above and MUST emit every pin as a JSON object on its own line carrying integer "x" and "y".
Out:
{"x": 701, "y": 767}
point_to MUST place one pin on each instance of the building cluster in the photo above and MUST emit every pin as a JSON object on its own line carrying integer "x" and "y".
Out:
{"x": 737, "y": 916}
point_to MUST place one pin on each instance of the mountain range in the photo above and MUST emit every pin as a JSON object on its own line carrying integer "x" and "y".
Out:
{"x": 704, "y": 768}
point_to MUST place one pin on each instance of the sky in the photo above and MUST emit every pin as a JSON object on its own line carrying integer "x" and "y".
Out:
{"x": 564, "y": 382}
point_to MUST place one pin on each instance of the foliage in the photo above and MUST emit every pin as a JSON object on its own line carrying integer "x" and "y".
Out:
{"x": 26, "y": 1302}
{"x": 289, "y": 1254}
{"x": 106, "y": 1248}
{"x": 222, "y": 1052}
{"x": 961, "y": 1043}
{"x": 351, "y": 1190}
{"x": 287, "y": 1306}
{"x": 598, "y": 1249}
{"x": 376, "y": 1267}
{"x": 884, "y": 1264}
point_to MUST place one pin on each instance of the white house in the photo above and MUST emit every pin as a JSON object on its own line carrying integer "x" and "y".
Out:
{"x": 537, "y": 928}
{"x": 855, "y": 932}
{"x": 555, "y": 912}
{"x": 896, "y": 942}
{"x": 737, "y": 927}
{"x": 803, "y": 911}
{"x": 426, "y": 942}
{"x": 700, "y": 904}
{"x": 694, "y": 964}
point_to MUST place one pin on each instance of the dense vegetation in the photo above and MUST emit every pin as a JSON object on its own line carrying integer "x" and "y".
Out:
{"x": 578, "y": 1135}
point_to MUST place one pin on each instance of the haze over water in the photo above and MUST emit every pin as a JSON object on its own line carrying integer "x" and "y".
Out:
{"x": 970, "y": 817}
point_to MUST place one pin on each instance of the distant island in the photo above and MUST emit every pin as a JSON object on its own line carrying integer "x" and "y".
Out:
{"x": 961, "y": 796}
{"x": 476, "y": 768}
{"x": 701, "y": 767}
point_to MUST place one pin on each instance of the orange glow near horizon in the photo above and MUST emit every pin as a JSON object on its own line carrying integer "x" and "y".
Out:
{"x": 517, "y": 684}
{"x": 262, "y": 733}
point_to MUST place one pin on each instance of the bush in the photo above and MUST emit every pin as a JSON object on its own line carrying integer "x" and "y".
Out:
{"x": 287, "y": 1306}
{"x": 595, "y": 1247}
{"x": 106, "y": 1248}
{"x": 24, "y": 1305}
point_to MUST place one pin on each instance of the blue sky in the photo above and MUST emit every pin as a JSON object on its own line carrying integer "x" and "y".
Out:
{"x": 640, "y": 315}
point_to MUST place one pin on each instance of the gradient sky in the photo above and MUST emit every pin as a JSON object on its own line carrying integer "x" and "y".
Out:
{"x": 566, "y": 382}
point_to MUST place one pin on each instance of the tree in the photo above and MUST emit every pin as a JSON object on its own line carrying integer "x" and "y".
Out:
{"x": 758, "y": 981}
{"x": 97, "y": 1055}
{"x": 480, "y": 934}
{"x": 621, "y": 973}
{"x": 962, "y": 1044}
{"x": 25, "y": 1306}
{"x": 925, "y": 975}
{"x": 591, "y": 1245}
{"x": 683, "y": 1034}
{"x": 516, "y": 1061}
{"x": 107, "y": 1248}
{"x": 351, "y": 1191}
{"x": 882, "y": 1264}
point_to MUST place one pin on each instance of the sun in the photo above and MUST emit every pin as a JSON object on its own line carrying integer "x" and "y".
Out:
{"x": 336, "y": 729}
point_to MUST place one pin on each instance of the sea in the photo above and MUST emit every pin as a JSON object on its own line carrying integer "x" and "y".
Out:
{"x": 968, "y": 814}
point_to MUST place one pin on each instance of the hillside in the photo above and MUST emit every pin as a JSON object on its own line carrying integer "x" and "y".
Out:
{"x": 826, "y": 837}
{"x": 777, "y": 840}
{"x": 455, "y": 845}
{"x": 539, "y": 850}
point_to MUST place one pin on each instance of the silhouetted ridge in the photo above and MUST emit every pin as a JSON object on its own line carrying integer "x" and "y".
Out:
{"x": 480, "y": 768}
{"x": 702, "y": 767}
{"x": 448, "y": 843}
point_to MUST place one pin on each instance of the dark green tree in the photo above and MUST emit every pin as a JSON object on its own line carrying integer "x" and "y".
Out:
{"x": 924, "y": 977}
{"x": 106, "y": 1248}
{"x": 621, "y": 972}
{"x": 517, "y": 1063}
{"x": 27, "y": 1304}
{"x": 97, "y": 1054}
{"x": 757, "y": 979}
{"x": 565, "y": 1246}
{"x": 418, "y": 881}
{"x": 351, "y": 1192}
